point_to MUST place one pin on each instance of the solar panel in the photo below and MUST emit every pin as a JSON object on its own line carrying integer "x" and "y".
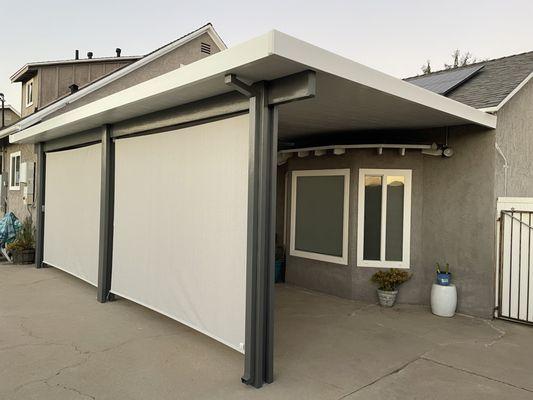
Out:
{"x": 444, "y": 82}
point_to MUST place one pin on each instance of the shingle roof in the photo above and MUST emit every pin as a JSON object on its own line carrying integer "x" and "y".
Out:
{"x": 490, "y": 85}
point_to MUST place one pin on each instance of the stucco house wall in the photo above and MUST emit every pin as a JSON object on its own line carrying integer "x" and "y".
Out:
{"x": 514, "y": 135}
{"x": 13, "y": 198}
{"x": 452, "y": 220}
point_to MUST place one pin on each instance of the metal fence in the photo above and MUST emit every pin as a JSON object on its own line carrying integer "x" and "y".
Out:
{"x": 515, "y": 275}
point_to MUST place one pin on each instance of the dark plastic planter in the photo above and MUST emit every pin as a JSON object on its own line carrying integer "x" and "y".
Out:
{"x": 24, "y": 256}
{"x": 444, "y": 279}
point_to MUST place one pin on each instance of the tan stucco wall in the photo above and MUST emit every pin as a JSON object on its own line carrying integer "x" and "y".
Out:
{"x": 514, "y": 135}
{"x": 452, "y": 221}
{"x": 185, "y": 54}
{"x": 14, "y": 197}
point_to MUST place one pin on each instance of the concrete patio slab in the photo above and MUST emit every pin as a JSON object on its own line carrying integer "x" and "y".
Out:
{"x": 57, "y": 342}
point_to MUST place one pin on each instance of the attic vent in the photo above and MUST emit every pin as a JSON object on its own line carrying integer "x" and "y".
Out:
{"x": 205, "y": 48}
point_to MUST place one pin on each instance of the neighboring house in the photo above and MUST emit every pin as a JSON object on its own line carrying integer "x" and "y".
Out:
{"x": 168, "y": 184}
{"x": 10, "y": 115}
{"x": 52, "y": 87}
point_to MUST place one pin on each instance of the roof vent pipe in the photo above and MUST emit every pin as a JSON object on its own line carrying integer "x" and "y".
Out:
{"x": 118, "y": 51}
{"x": 76, "y": 54}
{"x": 73, "y": 88}
{"x": 89, "y": 55}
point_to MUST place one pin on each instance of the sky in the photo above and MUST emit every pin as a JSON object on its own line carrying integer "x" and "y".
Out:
{"x": 393, "y": 36}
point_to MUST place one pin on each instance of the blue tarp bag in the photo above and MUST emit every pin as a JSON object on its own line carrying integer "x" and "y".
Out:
{"x": 9, "y": 227}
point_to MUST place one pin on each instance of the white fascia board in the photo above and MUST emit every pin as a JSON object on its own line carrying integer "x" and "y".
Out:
{"x": 8, "y": 131}
{"x": 317, "y": 58}
{"x": 508, "y": 97}
{"x": 38, "y": 116}
{"x": 216, "y": 64}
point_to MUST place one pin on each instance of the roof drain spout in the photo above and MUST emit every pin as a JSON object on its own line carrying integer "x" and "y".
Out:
{"x": 505, "y": 167}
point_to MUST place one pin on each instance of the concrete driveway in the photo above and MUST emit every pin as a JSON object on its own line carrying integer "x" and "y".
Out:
{"x": 57, "y": 342}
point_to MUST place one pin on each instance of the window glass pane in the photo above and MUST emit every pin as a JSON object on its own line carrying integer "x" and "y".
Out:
{"x": 395, "y": 199}
{"x": 319, "y": 214}
{"x": 372, "y": 225}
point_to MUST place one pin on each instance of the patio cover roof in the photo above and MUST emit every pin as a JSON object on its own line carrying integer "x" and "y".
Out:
{"x": 350, "y": 96}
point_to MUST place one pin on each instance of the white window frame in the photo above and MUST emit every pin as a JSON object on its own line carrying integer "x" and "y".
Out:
{"x": 11, "y": 170}
{"x": 316, "y": 256}
{"x": 384, "y": 173}
{"x": 29, "y": 85}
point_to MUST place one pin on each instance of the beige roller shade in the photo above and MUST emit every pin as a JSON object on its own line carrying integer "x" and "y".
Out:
{"x": 72, "y": 211}
{"x": 180, "y": 225}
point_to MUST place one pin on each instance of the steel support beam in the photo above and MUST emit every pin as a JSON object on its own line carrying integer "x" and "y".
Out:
{"x": 39, "y": 202}
{"x": 72, "y": 141}
{"x": 107, "y": 199}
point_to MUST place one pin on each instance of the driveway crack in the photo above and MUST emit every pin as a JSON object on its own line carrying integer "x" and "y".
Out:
{"x": 396, "y": 371}
{"x": 476, "y": 374}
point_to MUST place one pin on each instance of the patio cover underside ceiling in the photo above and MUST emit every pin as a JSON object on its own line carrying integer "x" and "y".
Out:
{"x": 344, "y": 106}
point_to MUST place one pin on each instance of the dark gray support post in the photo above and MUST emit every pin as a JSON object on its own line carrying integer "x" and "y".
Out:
{"x": 272, "y": 158}
{"x": 107, "y": 197}
{"x": 264, "y": 100}
{"x": 259, "y": 351}
{"x": 39, "y": 202}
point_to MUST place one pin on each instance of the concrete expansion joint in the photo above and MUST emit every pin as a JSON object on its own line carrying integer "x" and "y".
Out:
{"x": 476, "y": 374}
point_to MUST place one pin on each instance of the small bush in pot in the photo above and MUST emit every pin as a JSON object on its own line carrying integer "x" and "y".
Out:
{"x": 22, "y": 248}
{"x": 388, "y": 283}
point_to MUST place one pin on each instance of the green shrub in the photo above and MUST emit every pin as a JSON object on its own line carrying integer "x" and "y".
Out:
{"x": 391, "y": 279}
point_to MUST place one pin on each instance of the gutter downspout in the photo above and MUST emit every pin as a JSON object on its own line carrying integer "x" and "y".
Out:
{"x": 505, "y": 166}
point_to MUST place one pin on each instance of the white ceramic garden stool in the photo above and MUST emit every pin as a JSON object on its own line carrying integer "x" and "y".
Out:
{"x": 443, "y": 300}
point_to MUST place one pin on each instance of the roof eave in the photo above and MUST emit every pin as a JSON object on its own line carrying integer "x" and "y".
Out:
{"x": 272, "y": 44}
{"x": 495, "y": 109}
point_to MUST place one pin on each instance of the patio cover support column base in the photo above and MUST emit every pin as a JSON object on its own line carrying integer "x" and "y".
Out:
{"x": 107, "y": 200}
{"x": 39, "y": 201}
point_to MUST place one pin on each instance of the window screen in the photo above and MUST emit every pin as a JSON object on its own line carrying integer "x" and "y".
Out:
{"x": 320, "y": 214}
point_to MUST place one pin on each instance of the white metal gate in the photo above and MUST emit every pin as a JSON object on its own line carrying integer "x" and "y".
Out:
{"x": 515, "y": 259}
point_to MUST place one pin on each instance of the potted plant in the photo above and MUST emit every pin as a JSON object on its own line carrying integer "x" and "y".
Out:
{"x": 444, "y": 277}
{"x": 22, "y": 248}
{"x": 388, "y": 283}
